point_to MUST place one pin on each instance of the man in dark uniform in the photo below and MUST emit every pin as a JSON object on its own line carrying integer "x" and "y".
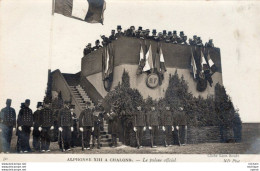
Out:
{"x": 98, "y": 122}
{"x": 168, "y": 125}
{"x": 113, "y": 118}
{"x": 164, "y": 35}
{"x": 112, "y": 36}
{"x": 86, "y": 125}
{"x": 119, "y": 32}
{"x": 160, "y": 36}
{"x": 105, "y": 40}
{"x": 88, "y": 49}
{"x": 138, "y": 32}
{"x": 74, "y": 134}
{"x": 18, "y": 134}
{"x": 153, "y": 125}
{"x": 36, "y": 125}
{"x": 154, "y": 36}
{"x": 181, "y": 125}
{"x": 195, "y": 41}
{"x": 147, "y": 34}
{"x": 199, "y": 42}
{"x": 8, "y": 125}
{"x": 25, "y": 125}
{"x": 97, "y": 43}
{"x": 47, "y": 124}
{"x": 65, "y": 124}
{"x": 139, "y": 125}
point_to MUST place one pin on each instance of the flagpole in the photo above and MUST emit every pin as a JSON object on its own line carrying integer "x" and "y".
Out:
{"x": 51, "y": 35}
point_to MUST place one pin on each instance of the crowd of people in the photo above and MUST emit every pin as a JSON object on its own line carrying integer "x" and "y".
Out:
{"x": 140, "y": 33}
{"x": 89, "y": 123}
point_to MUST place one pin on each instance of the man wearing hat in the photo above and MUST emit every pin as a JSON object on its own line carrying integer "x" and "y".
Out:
{"x": 74, "y": 134}
{"x": 181, "y": 125}
{"x": 8, "y": 125}
{"x": 119, "y": 32}
{"x": 25, "y": 125}
{"x": 97, "y": 43}
{"x": 47, "y": 124}
{"x": 138, "y": 32}
{"x": 168, "y": 37}
{"x": 18, "y": 134}
{"x": 164, "y": 34}
{"x": 194, "y": 41}
{"x": 98, "y": 122}
{"x": 113, "y": 120}
{"x": 37, "y": 123}
{"x": 154, "y": 36}
{"x": 86, "y": 125}
{"x": 160, "y": 36}
{"x": 65, "y": 124}
{"x": 168, "y": 124}
{"x": 146, "y": 35}
{"x": 88, "y": 49}
{"x": 210, "y": 43}
{"x": 153, "y": 124}
{"x": 174, "y": 37}
{"x": 199, "y": 42}
{"x": 105, "y": 40}
{"x": 139, "y": 123}
{"x": 112, "y": 36}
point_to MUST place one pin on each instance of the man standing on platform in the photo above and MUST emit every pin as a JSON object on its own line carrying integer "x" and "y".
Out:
{"x": 47, "y": 124}
{"x": 86, "y": 125}
{"x": 8, "y": 125}
{"x": 74, "y": 134}
{"x": 25, "y": 125}
{"x": 153, "y": 123}
{"x": 36, "y": 125}
{"x": 65, "y": 124}
{"x": 98, "y": 122}
{"x": 139, "y": 125}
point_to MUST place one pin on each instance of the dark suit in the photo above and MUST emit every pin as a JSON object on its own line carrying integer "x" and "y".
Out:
{"x": 86, "y": 120}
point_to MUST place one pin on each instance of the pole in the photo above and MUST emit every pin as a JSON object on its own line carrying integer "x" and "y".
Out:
{"x": 51, "y": 34}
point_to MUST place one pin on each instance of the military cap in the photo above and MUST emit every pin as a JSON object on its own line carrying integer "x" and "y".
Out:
{"x": 89, "y": 44}
{"x": 39, "y": 104}
{"x": 97, "y": 41}
{"x": 140, "y": 28}
{"x": 8, "y": 100}
{"x": 174, "y": 32}
{"x": 119, "y": 27}
{"x": 164, "y": 32}
{"x": 194, "y": 36}
{"x": 88, "y": 103}
{"x": 181, "y": 33}
{"x": 27, "y": 101}
{"x": 154, "y": 31}
{"x": 72, "y": 106}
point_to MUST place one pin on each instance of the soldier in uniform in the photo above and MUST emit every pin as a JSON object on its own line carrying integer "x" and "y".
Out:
{"x": 138, "y": 32}
{"x": 160, "y": 36}
{"x": 168, "y": 125}
{"x": 97, "y": 43}
{"x": 174, "y": 37}
{"x": 88, "y": 49}
{"x": 164, "y": 35}
{"x": 47, "y": 124}
{"x": 113, "y": 118}
{"x": 210, "y": 43}
{"x": 146, "y": 35}
{"x": 25, "y": 125}
{"x": 86, "y": 125}
{"x": 154, "y": 36}
{"x": 194, "y": 41}
{"x": 74, "y": 133}
{"x": 112, "y": 36}
{"x": 119, "y": 32}
{"x": 199, "y": 42}
{"x": 36, "y": 125}
{"x": 181, "y": 125}
{"x": 8, "y": 125}
{"x": 18, "y": 134}
{"x": 139, "y": 125}
{"x": 105, "y": 40}
{"x": 98, "y": 122}
{"x": 65, "y": 124}
{"x": 153, "y": 125}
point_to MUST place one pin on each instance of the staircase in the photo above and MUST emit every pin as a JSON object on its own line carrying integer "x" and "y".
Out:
{"x": 82, "y": 97}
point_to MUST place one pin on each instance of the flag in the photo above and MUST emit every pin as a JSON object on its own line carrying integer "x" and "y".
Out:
{"x": 141, "y": 61}
{"x": 107, "y": 67}
{"x": 148, "y": 60}
{"x": 90, "y": 11}
{"x": 193, "y": 66}
{"x": 162, "y": 64}
{"x": 203, "y": 61}
{"x": 212, "y": 66}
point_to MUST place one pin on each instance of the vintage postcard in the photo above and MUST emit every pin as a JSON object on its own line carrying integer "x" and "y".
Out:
{"x": 129, "y": 81}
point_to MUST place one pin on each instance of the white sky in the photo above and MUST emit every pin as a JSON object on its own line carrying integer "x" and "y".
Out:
{"x": 25, "y": 41}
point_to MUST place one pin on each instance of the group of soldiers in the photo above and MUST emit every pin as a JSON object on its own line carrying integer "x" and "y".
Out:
{"x": 170, "y": 37}
{"x": 90, "y": 123}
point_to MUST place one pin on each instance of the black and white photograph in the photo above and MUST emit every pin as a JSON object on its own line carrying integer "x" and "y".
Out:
{"x": 99, "y": 77}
